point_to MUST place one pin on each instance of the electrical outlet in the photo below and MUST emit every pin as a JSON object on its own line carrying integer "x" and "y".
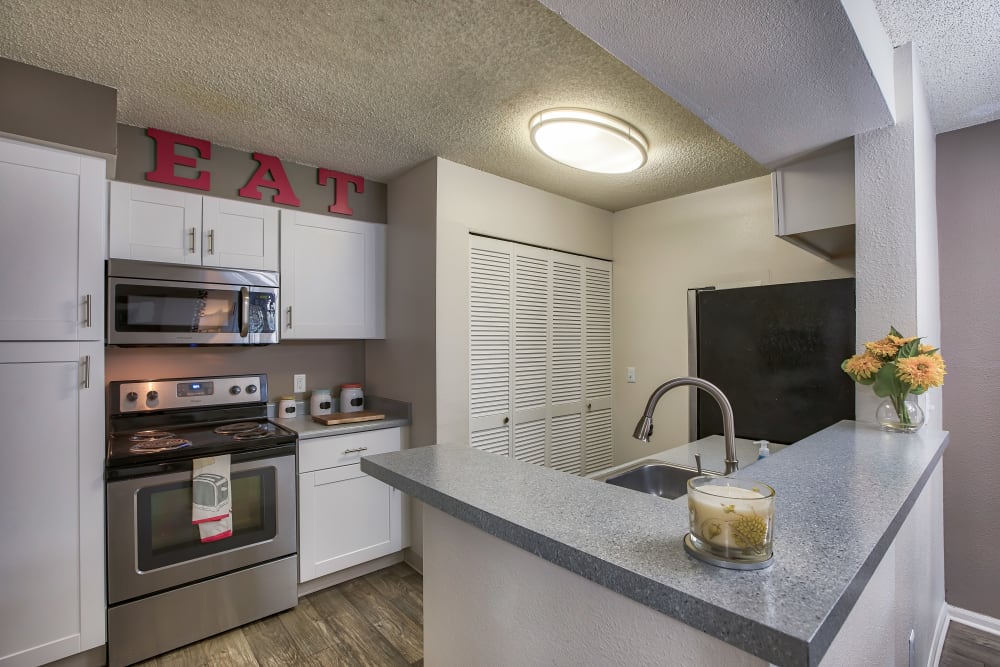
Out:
{"x": 630, "y": 374}
{"x": 299, "y": 382}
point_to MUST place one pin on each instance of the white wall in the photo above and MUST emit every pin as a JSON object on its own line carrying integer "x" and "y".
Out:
{"x": 897, "y": 265}
{"x": 475, "y": 201}
{"x": 715, "y": 237}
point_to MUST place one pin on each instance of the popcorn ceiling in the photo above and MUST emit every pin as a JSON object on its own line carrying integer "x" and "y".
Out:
{"x": 372, "y": 88}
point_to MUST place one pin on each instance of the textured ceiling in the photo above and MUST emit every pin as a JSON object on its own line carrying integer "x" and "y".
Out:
{"x": 958, "y": 49}
{"x": 372, "y": 88}
{"x": 780, "y": 78}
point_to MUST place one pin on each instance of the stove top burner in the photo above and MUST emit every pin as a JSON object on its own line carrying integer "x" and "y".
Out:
{"x": 142, "y": 436}
{"x": 152, "y": 446}
{"x": 239, "y": 427}
{"x": 257, "y": 432}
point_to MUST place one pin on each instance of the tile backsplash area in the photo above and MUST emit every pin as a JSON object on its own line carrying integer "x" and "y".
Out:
{"x": 327, "y": 364}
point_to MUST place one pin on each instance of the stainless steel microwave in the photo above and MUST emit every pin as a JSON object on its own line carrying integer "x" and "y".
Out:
{"x": 150, "y": 303}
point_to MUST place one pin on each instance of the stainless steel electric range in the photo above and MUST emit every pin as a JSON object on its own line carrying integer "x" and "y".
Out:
{"x": 166, "y": 587}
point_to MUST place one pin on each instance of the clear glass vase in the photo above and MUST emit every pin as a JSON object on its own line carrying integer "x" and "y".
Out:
{"x": 899, "y": 414}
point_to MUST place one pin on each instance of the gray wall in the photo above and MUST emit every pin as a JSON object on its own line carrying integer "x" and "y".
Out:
{"x": 55, "y": 108}
{"x": 326, "y": 364}
{"x": 231, "y": 169}
{"x": 968, "y": 195}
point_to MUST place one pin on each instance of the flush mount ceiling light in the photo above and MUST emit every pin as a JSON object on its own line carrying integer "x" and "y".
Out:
{"x": 588, "y": 140}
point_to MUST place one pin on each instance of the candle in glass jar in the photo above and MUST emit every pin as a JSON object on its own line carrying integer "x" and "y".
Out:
{"x": 734, "y": 519}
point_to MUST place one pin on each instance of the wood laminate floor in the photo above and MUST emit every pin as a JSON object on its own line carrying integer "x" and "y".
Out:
{"x": 373, "y": 620}
{"x": 965, "y": 646}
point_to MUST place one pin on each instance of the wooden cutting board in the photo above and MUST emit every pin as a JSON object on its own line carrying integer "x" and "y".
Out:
{"x": 348, "y": 417}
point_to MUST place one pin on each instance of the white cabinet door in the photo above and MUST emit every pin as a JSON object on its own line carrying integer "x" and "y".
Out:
{"x": 346, "y": 518}
{"x": 239, "y": 235}
{"x": 52, "y": 217}
{"x": 154, "y": 224}
{"x": 51, "y": 501}
{"x": 332, "y": 277}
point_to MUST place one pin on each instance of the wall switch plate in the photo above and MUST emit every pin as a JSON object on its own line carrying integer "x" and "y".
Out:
{"x": 299, "y": 382}
{"x": 630, "y": 374}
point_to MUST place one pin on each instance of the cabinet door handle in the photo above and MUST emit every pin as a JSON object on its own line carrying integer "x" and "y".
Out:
{"x": 192, "y": 235}
{"x": 86, "y": 311}
{"x": 288, "y": 320}
{"x": 211, "y": 242}
{"x": 506, "y": 420}
{"x": 355, "y": 450}
{"x": 86, "y": 372}
{"x": 588, "y": 406}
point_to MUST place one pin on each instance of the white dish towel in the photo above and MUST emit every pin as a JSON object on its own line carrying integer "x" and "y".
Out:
{"x": 211, "y": 508}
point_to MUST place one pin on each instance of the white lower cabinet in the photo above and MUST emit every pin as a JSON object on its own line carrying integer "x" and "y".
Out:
{"x": 52, "y": 600}
{"x": 345, "y": 516}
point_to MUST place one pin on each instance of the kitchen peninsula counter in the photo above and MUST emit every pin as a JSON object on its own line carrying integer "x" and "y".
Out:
{"x": 843, "y": 496}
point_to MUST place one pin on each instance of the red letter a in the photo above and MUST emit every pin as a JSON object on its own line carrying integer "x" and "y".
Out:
{"x": 270, "y": 165}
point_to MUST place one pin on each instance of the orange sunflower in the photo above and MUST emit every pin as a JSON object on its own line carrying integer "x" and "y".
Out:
{"x": 863, "y": 366}
{"x": 922, "y": 371}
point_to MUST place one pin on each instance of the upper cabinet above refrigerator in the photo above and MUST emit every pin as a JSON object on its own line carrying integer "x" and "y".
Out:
{"x": 161, "y": 225}
{"x": 52, "y": 216}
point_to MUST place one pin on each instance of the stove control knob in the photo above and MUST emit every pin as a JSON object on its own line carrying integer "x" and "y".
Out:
{"x": 131, "y": 396}
{"x": 251, "y": 389}
{"x": 152, "y": 395}
{"x": 234, "y": 390}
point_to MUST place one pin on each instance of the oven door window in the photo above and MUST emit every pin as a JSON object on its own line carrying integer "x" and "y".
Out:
{"x": 151, "y": 308}
{"x": 166, "y": 535}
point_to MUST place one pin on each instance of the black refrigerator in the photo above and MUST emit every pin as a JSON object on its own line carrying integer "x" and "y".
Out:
{"x": 775, "y": 352}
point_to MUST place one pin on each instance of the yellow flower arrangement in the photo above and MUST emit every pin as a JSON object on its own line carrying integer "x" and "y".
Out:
{"x": 896, "y": 366}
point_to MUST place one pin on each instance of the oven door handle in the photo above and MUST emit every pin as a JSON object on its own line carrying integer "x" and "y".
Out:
{"x": 244, "y": 311}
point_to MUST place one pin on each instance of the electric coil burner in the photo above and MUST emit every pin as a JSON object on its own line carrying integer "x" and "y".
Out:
{"x": 160, "y": 574}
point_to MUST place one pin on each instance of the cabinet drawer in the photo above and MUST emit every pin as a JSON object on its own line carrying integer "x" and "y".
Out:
{"x": 341, "y": 450}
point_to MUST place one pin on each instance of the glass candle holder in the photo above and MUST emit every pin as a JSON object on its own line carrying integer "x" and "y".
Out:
{"x": 731, "y": 519}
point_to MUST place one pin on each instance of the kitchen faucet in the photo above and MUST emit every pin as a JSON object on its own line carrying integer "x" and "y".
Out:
{"x": 645, "y": 426}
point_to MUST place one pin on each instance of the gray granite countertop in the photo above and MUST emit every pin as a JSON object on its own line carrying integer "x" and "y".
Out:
{"x": 397, "y": 413}
{"x": 842, "y": 495}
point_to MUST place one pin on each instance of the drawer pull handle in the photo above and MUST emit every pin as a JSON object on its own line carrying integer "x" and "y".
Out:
{"x": 356, "y": 449}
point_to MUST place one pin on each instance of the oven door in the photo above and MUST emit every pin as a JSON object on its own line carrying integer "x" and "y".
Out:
{"x": 163, "y": 312}
{"x": 153, "y": 546}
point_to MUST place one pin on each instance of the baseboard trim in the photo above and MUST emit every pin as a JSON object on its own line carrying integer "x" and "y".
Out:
{"x": 414, "y": 560}
{"x": 354, "y": 572}
{"x": 974, "y": 619}
{"x": 940, "y": 632}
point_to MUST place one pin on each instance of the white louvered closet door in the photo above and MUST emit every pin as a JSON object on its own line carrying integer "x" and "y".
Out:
{"x": 532, "y": 295}
{"x": 540, "y": 355}
{"x": 598, "y": 451}
{"x": 490, "y": 344}
{"x": 566, "y": 365}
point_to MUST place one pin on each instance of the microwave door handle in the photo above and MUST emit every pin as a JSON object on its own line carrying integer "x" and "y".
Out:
{"x": 244, "y": 311}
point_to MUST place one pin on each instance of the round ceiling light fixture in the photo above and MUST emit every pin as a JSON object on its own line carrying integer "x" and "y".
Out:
{"x": 588, "y": 140}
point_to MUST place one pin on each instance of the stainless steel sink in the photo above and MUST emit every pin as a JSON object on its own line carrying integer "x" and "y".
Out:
{"x": 660, "y": 479}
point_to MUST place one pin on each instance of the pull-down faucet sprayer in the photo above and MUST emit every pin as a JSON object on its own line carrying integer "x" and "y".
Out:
{"x": 644, "y": 428}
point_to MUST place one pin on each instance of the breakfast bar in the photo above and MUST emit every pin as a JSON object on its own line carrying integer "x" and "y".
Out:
{"x": 523, "y": 562}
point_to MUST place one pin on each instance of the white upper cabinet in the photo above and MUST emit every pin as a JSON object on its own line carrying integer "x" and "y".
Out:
{"x": 52, "y": 216}
{"x": 154, "y": 224}
{"x": 160, "y": 225}
{"x": 332, "y": 277}
{"x": 239, "y": 234}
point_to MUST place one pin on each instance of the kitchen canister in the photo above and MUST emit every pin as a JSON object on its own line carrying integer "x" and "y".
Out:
{"x": 352, "y": 399}
{"x": 286, "y": 407}
{"x": 320, "y": 403}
